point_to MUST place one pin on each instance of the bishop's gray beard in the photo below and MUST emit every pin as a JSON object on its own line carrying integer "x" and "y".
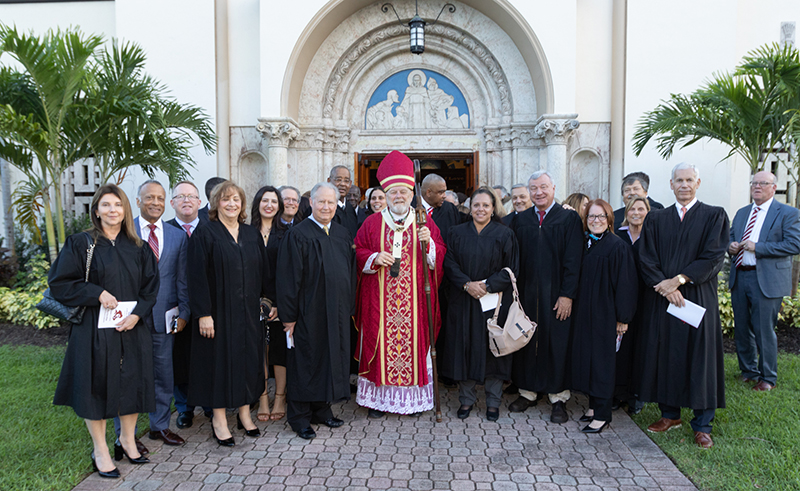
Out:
{"x": 399, "y": 210}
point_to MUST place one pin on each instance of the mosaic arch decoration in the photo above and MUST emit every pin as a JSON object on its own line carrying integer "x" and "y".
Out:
{"x": 417, "y": 99}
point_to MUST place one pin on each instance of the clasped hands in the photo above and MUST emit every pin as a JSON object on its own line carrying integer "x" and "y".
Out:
{"x": 735, "y": 247}
{"x": 669, "y": 289}
{"x": 109, "y": 301}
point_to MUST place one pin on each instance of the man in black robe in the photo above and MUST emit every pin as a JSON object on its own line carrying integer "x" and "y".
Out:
{"x": 443, "y": 213}
{"x": 551, "y": 248}
{"x": 682, "y": 250}
{"x": 520, "y": 200}
{"x": 345, "y": 212}
{"x": 633, "y": 185}
{"x": 318, "y": 278}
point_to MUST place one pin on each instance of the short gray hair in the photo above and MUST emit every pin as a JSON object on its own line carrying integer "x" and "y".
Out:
{"x": 283, "y": 188}
{"x": 332, "y": 175}
{"x": 632, "y": 179}
{"x": 149, "y": 181}
{"x": 453, "y": 195}
{"x": 519, "y": 185}
{"x": 540, "y": 173}
{"x": 502, "y": 189}
{"x": 684, "y": 166}
{"x": 432, "y": 179}
{"x": 323, "y": 185}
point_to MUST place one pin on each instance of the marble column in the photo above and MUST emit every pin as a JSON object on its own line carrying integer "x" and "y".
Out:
{"x": 556, "y": 129}
{"x": 279, "y": 132}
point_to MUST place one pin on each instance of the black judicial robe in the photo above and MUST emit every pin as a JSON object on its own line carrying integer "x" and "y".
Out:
{"x": 473, "y": 256}
{"x": 549, "y": 267}
{"x": 607, "y": 295}
{"x": 277, "y": 338}
{"x": 318, "y": 286}
{"x": 346, "y": 216}
{"x": 624, "y": 359}
{"x": 106, "y": 373}
{"x": 182, "y": 347}
{"x": 677, "y": 364}
{"x": 226, "y": 281}
{"x": 447, "y": 216}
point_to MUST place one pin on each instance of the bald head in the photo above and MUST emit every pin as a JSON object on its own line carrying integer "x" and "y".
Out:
{"x": 762, "y": 187}
{"x": 434, "y": 188}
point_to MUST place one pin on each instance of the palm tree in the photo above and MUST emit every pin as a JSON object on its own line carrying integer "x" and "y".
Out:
{"x": 748, "y": 110}
{"x": 56, "y": 68}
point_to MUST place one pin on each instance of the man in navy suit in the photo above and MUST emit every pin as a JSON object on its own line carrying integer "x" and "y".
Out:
{"x": 169, "y": 246}
{"x": 764, "y": 237}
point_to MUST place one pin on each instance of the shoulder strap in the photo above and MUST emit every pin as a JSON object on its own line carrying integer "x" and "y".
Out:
{"x": 89, "y": 254}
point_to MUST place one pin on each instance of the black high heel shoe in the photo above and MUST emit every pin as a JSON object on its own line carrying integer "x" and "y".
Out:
{"x": 589, "y": 429}
{"x": 114, "y": 474}
{"x": 120, "y": 452}
{"x": 228, "y": 442}
{"x": 255, "y": 432}
{"x": 585, "y": 418}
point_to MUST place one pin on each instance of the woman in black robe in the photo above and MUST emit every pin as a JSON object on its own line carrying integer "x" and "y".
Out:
{"x": 266, "y": 211}
{"x": 107, "y": 372}
{"x": 477, "y": 252}
{"x": 605, "y": 305}
{"x": 227, "y": 279}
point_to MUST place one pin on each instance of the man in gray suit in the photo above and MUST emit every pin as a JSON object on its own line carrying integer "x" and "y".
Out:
{"x": 764, "y": 237}
{"x": 169, "y": 245}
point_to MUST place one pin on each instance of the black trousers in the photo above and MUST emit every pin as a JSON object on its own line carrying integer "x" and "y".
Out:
{"x": 602, "y": 408}
{"x": 300, "y": 413}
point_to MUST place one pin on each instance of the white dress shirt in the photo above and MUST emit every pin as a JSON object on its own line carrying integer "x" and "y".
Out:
{"x": 192, "y": 225}
{"x": 749, "y": 258}
{"x": 144, "y": 230}
{"x": 688, "y": 207}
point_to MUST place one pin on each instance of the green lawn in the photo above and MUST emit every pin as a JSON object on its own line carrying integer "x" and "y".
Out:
{"x": 43, "y": 447}
{"x": 757, "y": 437}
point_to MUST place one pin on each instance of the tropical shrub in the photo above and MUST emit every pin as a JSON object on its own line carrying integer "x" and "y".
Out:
{"x": 18, "y": 306}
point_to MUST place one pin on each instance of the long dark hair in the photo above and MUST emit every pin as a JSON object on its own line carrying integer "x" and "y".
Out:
{"x": 368, "y": 209}
{"x": 491, "y": 194}
{"x": 255, "y": 214}
{"x": 127, "y": 222}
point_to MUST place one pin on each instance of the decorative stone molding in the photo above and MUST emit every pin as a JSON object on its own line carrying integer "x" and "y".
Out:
{"x": 310, "y": 138}
{"x": 376, "y": 37}
{"x": 493, "y": 138}
{"x": 556, "y": 128}
{"x": 278, "y": 131}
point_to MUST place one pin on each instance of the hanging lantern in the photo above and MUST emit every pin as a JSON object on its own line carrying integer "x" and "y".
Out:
{"x": 417, "y": 26}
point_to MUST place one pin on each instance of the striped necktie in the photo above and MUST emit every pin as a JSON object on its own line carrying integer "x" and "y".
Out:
{"x": 747, "y": 231}
{"x": 153, "y": 240}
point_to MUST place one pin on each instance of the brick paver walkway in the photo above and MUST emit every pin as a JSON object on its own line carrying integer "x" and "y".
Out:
{"x": 520, "y": 451}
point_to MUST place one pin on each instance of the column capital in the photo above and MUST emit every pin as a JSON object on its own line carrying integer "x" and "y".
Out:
{"x": 278, "y": 131}
{"x": 556, "y": 128}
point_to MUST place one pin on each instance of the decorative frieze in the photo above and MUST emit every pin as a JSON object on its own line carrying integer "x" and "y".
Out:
{"x": 279, "y": 132}
{"x": 556, "y": 128}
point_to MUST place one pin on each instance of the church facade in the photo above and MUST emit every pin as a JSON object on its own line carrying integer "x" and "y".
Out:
{"x": 502, "y": 89}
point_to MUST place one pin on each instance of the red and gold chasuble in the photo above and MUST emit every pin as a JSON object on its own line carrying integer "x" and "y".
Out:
{"x": 391, "y": 313}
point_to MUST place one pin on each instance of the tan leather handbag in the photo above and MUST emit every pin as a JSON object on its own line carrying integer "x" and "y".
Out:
{"x": 518, "y": 329}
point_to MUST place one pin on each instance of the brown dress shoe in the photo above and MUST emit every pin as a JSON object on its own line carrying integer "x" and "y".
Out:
{"x": 167, "y": 437}
{"x": 140, "y": 447}
{"x": 664, "y": 424}
{"x": 703, "y": 439}
{"x": 763, "y": 386}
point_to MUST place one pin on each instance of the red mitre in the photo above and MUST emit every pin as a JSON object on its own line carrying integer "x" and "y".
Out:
{"x": 396, "y": 170}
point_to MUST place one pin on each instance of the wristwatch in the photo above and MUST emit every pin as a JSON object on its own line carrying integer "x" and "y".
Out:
{"x": 466, "y": 286}
{"x": 682, "y": 279}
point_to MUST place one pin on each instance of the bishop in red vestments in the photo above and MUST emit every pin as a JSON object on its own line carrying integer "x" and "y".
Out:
{"x": 395, "y": 373}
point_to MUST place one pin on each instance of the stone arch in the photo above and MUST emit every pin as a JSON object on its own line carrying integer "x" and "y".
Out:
{"x": 501, "y": 12}
{"x": 585, "y": 173}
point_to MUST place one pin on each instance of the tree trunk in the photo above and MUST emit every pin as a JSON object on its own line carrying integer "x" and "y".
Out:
{"x": 8, "y": 214}
{"x": 59, "y": 213}
{"x": 48, "y": 222}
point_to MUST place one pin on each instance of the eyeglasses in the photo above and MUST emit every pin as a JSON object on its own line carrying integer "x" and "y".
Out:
{"x": 342, "y": 180}
{"x": 599, "y": 218}
{"x": 290, "y": 201}
{"x": 761, "y": 184}
{"x": 185, "y": 197}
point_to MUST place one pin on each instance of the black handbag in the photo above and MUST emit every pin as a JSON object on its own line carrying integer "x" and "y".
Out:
{"x": 51, "y": 306}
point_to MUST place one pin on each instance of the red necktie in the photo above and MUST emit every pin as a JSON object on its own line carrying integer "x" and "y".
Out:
{"x": 430, "y": 212}
{"x": 747, "y": 231}
{"x": 541, "y": 216}
{"x": 153, "y": 240}
{"x": 188, "y": 228}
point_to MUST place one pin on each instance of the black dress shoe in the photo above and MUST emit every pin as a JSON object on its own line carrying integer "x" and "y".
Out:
{"x": 521, "y": 404}
{"x": 559, "y": 413}
{"x": 141, "y": 448}
{"x": 255, "y": 432}
{"x": 589, "y": 429}
{"x": 184, "y": 419}
{"x": 463, "y": 412}
{"x": 113, "y": 474}
{"x": 120, "y": 452}
{"x": 375, "y": 414}
{"x": 228, "y": 442}
{"x": 492, "y": 413}
{"x": 585, "y": 418}
{"x": 330, "y": 422}
{"x": 307, "y": 433}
